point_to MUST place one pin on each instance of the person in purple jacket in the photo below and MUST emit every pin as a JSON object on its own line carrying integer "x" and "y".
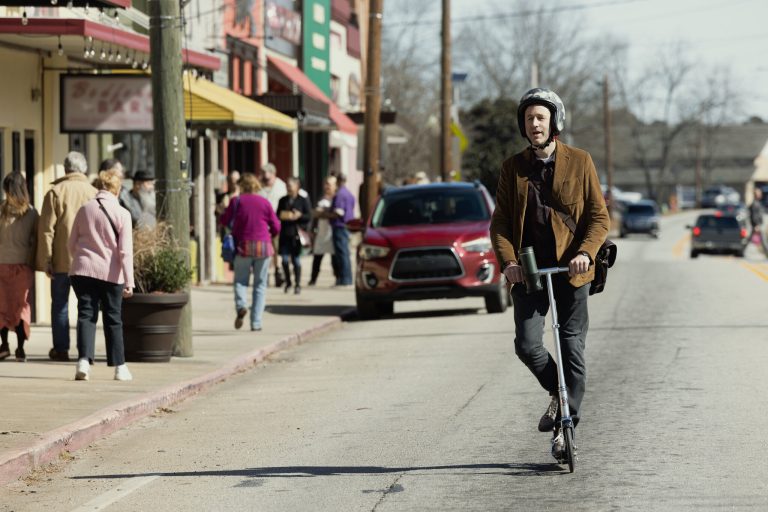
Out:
{"x": 342, "y": 211}
{"x": 254, "y": 224}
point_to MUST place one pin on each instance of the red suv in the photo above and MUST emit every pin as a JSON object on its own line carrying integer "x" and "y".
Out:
{"x": 428, "y": 242}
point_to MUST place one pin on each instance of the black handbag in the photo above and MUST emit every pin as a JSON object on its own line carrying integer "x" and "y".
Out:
{"x": 604, "y": 259}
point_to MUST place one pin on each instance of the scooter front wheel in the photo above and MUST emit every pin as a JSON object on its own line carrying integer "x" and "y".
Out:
{"x": 570, "y": 449}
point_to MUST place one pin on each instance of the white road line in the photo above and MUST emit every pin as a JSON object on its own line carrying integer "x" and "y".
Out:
{"x": 121, "y": 491}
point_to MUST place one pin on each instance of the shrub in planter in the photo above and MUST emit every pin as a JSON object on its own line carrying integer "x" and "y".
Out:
{"x": 161, "y": 275}
{"x": 159, "y": 264}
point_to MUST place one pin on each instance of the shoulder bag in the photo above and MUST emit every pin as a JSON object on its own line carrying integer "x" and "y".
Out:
{"x": 604, "y": 259}
{"x": 228, "y": 243}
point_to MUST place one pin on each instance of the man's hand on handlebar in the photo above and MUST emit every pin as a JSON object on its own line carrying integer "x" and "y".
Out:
{"x": 514, "y": 274}
{"x": 578, "y": 265}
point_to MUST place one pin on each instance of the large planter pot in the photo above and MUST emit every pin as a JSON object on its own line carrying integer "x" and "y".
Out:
{"x": 150, "y": 322}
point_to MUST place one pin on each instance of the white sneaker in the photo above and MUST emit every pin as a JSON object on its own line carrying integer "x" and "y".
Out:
{"x": 83, "y": 369}
{"x": 122, "y": 373}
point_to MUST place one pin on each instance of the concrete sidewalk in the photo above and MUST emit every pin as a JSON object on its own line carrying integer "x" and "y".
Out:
{"x": 46, "y": 412}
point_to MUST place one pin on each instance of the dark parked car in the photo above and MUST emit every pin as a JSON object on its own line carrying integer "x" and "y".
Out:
{"x": 640, "y": 217}
{"x": 718, "y": 234}
{"x": 428, "y": 242}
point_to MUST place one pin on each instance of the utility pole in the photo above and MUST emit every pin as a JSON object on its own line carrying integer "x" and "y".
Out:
{"x": 372, "y": 110}
{"x": 445, "y": 91}
{"x": 169, "y": 138}
{"x": 608, "y": 151}
{"x": 699, "y": 151}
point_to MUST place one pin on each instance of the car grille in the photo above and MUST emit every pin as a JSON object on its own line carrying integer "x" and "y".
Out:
{"x": 427, "y": 263}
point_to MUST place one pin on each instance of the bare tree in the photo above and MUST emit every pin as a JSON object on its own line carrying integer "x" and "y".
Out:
{"x": 678, "y": 113}
{"x": 501, "y": 53}
{"x": 410, "y": 83}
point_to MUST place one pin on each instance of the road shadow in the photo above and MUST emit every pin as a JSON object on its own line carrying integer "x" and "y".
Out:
{"x": 508, "y": 469}
{"x": 434, "y": 313}
{"x": 341, "y": 310}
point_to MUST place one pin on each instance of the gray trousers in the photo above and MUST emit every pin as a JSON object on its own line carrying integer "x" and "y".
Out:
{"x": 573, "y": 318}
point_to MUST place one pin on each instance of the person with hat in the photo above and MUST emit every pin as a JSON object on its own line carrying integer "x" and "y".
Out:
{"x": 140, "y": 201}
{"x": 537, "y": 187}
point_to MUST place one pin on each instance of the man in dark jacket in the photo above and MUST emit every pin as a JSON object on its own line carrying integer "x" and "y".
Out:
{"x": 536, "y": 188}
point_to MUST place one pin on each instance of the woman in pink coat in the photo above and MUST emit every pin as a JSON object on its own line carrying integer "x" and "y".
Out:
{"x": 101, "y": 245}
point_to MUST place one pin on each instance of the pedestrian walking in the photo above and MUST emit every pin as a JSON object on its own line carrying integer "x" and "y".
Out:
{"x": 18, "y": 239}
{"x": 60, "y": 205}
{"x": 322, "y": 242}
{"x": 254, "y": 226}
{"x": 101, "y": 244}
{"x": 756, "y": 219}
{"x": 294, "y": 212}
{"x": 273, "y": 188}
{"x": 536, "y": 188}
{"x": 342, "y": 211}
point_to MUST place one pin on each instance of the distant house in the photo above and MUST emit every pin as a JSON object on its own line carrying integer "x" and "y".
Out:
{"x": 760, "y": 175}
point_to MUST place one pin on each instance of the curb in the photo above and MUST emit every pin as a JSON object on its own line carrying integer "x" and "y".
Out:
{"x": 100, "y": 424}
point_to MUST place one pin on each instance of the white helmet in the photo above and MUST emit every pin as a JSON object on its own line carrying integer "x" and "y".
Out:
{"x": 550, "y": 100}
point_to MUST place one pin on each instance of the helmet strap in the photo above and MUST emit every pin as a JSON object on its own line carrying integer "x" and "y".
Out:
{"x": 544, "y": 145}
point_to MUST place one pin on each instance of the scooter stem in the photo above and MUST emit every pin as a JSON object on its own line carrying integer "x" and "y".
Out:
{"x": 565, "y": 412}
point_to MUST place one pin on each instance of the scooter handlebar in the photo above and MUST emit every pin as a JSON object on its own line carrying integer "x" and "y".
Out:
{"x": 531, "y": 273}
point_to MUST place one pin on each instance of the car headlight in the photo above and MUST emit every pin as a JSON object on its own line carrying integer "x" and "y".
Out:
{"x": 371, "y": 252}
{"x": 478, "y": 245}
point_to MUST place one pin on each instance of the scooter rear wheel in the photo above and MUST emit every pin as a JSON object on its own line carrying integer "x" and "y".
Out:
{"x": 570, "y": 449}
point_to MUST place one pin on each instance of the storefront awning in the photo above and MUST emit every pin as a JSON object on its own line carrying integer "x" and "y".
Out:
{"x": 71, "y": 37}
{"x": 96, "y": 4}
{"x": 209, "y": 105}
{"x": 297, "y": 77}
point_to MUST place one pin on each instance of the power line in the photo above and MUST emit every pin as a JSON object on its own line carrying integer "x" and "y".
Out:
{"x": 507, "y": 15}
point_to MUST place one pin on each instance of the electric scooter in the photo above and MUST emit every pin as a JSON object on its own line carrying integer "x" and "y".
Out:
{"x": 532, "y": 275}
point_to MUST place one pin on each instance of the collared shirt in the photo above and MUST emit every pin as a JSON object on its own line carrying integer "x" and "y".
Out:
{"x": 537, "y": 225}
{"x": 343, "y": 205}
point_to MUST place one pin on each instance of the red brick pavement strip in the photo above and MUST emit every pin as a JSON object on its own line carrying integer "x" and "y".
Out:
{"x": 100, "y": 424}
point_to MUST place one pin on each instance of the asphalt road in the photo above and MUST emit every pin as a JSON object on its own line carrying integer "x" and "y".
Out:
{"x": 431, "y": 410}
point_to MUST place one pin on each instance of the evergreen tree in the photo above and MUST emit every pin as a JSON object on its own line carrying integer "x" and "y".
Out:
{"x": 493, "y": 135}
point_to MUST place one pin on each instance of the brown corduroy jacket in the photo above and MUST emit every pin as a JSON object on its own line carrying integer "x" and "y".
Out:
{"x": 60, "y": 205}
{"x": 575, "y": 191}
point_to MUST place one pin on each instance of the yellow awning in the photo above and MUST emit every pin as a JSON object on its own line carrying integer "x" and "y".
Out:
{"x": 212, "y": 104}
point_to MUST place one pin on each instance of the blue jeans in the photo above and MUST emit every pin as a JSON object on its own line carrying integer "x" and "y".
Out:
{"x": 341, "y": 256}
{"x": 94, "y": 295}
{"x": 60, "y": 285}
{"x": 243, "y": 267}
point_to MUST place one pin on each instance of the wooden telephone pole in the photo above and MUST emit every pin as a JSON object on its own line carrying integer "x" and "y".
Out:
{"x": 372, "y": 111}
{"x": 170, "y": 137}
{"x": 608, "y": 149}
{"x": 445, "y": 92}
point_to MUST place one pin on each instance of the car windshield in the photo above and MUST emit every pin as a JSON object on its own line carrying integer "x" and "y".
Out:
{"x": 430, "y": 206}
{"x": 710, "y": 221}
{"x": 641, "y": 209}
